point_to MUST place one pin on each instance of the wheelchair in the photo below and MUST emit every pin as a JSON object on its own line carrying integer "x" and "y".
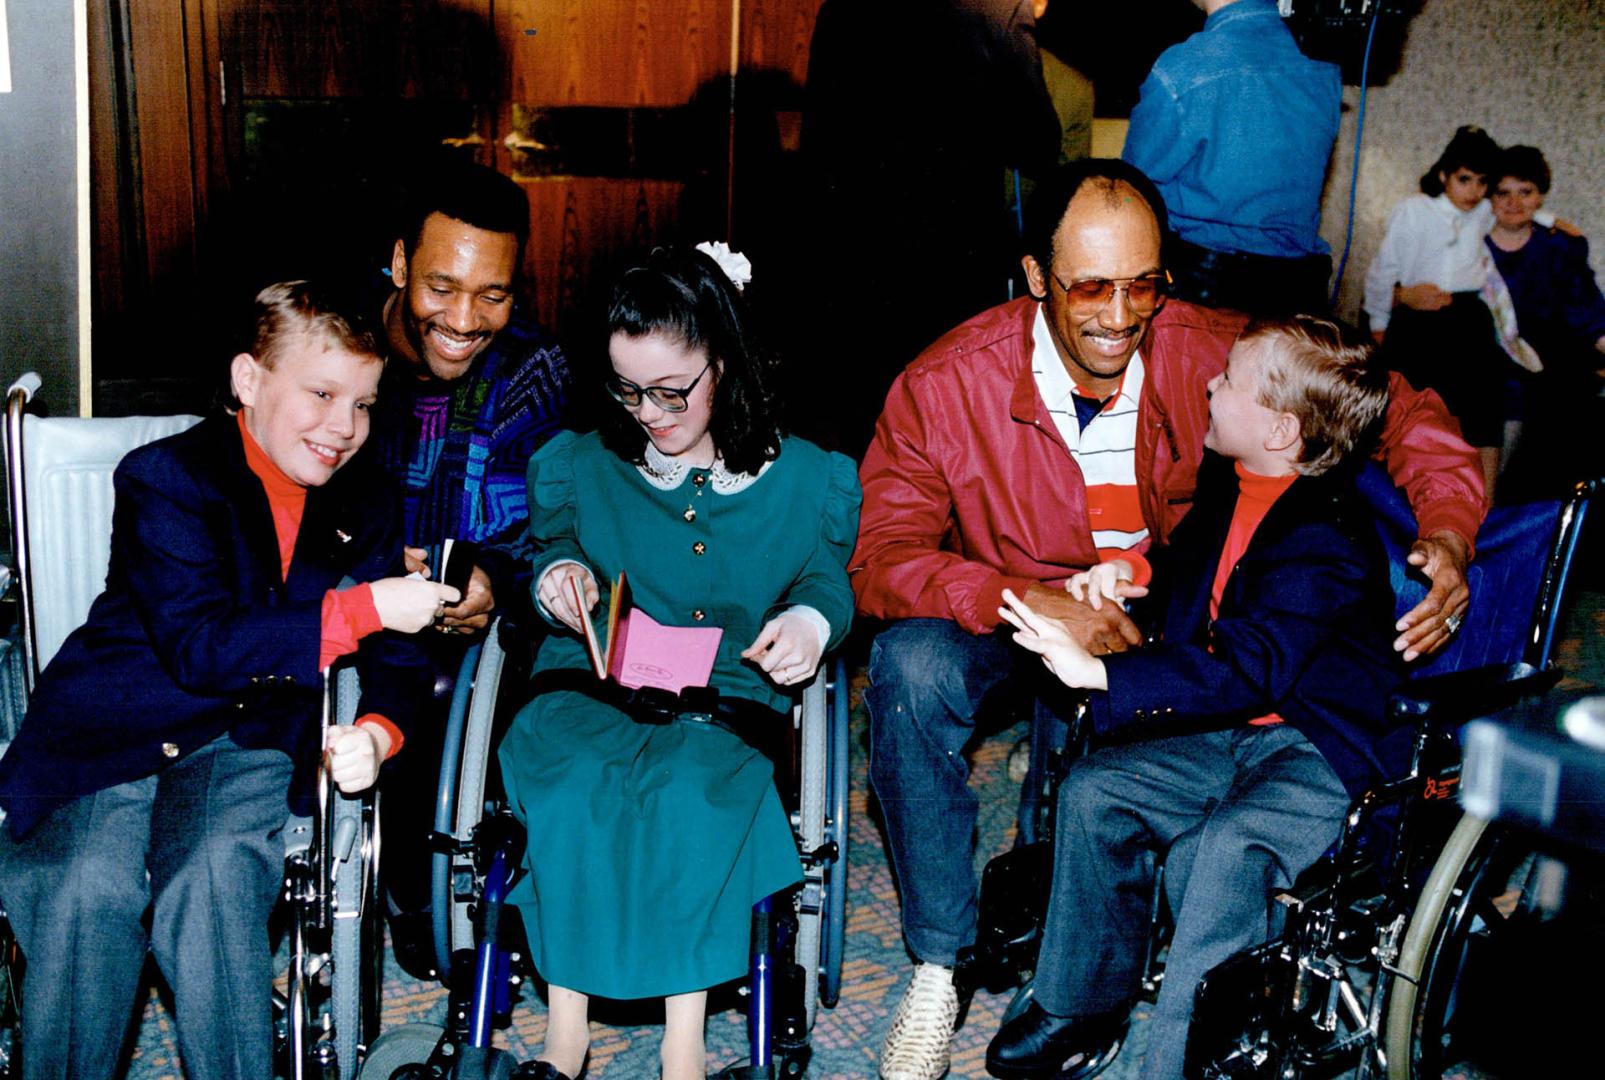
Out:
{"x": 1366, "y": 972}
{"x": 59, "y": 478}
{"x": 798, "y": 936}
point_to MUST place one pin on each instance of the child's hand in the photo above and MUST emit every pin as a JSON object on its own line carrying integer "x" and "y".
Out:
{"x": 556, "y": 592}
{"x": 354, "y": 755}
{"x": 1048, "y": 638}
{"x": 787, "y": 649}
{"x": 409, "y": 604}
{"x": 1423, "y": 297}
{"x": 1108, "y": 580}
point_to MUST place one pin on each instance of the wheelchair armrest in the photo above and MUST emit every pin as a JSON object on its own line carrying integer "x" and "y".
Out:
{"x": 1458, "y": 696}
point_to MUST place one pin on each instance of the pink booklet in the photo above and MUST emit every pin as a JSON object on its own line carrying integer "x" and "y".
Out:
{"x": 641, "y": 651}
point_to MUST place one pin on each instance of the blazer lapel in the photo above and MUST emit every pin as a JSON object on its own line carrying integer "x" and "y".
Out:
{"x": 255, "y": 519}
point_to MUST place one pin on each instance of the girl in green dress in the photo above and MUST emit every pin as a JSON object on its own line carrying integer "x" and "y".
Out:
{"x": 650, "y": 842}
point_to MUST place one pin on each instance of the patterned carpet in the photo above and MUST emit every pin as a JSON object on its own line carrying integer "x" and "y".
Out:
{"x": 846, "y": 1039}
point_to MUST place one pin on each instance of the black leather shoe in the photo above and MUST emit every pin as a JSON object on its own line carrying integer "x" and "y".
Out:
{"x": 538, "y": 1070}
{"x": 1037, "y": 1046}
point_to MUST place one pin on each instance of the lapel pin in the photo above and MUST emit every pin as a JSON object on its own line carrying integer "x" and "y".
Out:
{"x": 345, "y": 537}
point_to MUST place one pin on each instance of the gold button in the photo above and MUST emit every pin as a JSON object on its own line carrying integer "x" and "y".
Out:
{"x": 699, "y": 615}
{"x": 699, "y": 548}
{"x": 699, "y": 479}
{"x": 169, "y": 749}
{"x": 690, "y": 514}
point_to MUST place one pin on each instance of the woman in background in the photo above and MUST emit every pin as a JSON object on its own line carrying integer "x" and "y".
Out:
{"x": 1561, "y": 312}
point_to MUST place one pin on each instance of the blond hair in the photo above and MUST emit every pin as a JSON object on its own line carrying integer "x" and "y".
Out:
{"x": 1321, "y": 372}
{"x": 292, "y": 307}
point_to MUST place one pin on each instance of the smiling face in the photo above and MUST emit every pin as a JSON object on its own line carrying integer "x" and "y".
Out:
{"x": 1105, "y": 234}
{"x": 456, "y": 294}
{"x": 657, "y": 360}
{"x": 309, "y": 410}
{"x": 1464, "y": 187}
{"x": 1239, "y": 426}
{"x": 1516, "y": 201}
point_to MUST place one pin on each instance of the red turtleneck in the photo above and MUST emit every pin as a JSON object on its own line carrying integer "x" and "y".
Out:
{"x": 349, "y": 615}
{"x": 1255, "y": 495}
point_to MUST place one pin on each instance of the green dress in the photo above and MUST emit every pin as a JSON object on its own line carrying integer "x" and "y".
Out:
{"x": 648, "y": 845}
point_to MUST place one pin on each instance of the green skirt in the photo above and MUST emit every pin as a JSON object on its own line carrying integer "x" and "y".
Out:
{"x": 648, "y": 846}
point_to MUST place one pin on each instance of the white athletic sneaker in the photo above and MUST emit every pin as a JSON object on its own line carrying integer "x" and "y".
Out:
{"x": 917, "y": 1046}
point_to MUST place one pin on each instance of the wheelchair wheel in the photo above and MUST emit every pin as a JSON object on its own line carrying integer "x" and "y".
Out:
{"x": 357, "y": 943}
{"x": 811, "y": 835}
{"x": 1477, "y": 916}
{"x": 405, "y": 1049}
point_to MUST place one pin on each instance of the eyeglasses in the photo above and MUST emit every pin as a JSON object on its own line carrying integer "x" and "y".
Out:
{"x": 1144, "y": 294}
{"x": 667, "y": 398}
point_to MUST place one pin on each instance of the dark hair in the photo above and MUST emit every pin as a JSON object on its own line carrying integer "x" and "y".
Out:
{"x": 1524, "y": 163}
{"x": 1053, "y": 195}
{"x": 685, "y": 297}
{"x": 1471, "y": 148}
{"x": 469, "y": 193}
{"x": 292, "y": 307}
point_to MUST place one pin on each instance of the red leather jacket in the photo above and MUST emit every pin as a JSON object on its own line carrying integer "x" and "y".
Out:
{"x": 969, "y": 489}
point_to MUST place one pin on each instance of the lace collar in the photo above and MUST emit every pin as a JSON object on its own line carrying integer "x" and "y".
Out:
{"x": 667, "y": 473}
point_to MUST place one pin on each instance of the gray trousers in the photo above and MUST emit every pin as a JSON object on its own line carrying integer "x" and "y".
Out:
{"x": 200, "y": 846}
{"x": 1255, "y": 806}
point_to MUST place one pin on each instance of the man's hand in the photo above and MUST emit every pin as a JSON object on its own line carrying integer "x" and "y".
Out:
{"x": 787, "y": 649}
{"x": 1109, "y": 630}
{"x": 414, "y": 560}
{"x": 1050, "y": 639}
{"x": 473, "y": 612}
{"x": 1423, "y": 297}
{"x": 1424, "y": 629}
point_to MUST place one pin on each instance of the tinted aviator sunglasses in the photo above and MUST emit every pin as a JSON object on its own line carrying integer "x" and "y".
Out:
{"x": 1143, "y": 294}
{"x": 667, "y": 398}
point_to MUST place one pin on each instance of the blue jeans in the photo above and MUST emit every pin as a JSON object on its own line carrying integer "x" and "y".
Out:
{"x": 927, "y": 677}
{"x": 1256, "y": 806}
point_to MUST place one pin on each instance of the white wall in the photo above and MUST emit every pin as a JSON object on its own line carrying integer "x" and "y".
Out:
{"x": 1527, "y": 71}
{"x": 40, "y": 270}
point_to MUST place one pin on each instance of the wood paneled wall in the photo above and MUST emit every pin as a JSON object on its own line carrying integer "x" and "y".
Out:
{"x": 253, "y": 138}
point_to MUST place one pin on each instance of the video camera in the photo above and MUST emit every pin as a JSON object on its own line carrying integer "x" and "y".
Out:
{"x": 1338, "y": 31}
{"x": 1541, "y": 765}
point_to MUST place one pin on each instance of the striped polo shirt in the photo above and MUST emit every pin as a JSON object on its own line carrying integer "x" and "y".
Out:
{"x": 1106, "y": 449}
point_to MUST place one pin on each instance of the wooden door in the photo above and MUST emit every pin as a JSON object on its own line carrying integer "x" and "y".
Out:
{"x": 261, "y": 139}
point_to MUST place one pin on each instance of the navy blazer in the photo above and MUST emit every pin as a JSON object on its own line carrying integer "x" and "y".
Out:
{"x": 1305, "y": 629}
{"x": 198, "y": 632}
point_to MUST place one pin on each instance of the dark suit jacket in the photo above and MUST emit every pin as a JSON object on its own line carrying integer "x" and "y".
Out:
{"x": 197, "y": 632}
{"x": 1305, "y": 629}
